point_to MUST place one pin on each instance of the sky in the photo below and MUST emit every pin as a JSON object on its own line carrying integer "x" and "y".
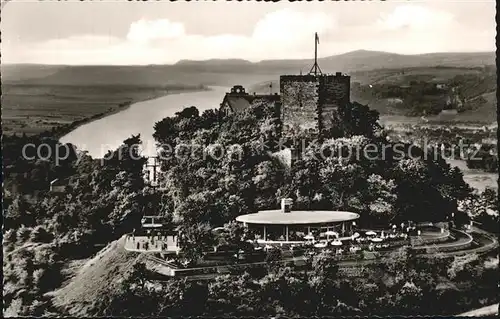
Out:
{"x": 160, "y": 32}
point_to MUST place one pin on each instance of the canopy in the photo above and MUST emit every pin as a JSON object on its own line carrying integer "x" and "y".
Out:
{"x": 371, "y": 233}
{"x": 320, "y": 245}
{"x": 309, "y": 237}
{"x": 376, "y": 240}
{"x": 336, "y": 243}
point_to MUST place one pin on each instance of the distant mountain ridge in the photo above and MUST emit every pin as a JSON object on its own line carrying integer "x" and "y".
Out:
{"x": 361, "y": 60}
{"x": 214, "y": 62}
{"x": 227, "y": 72}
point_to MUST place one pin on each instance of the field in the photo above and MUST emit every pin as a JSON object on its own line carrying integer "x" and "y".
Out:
{"x": 32, "y": 109}
{"x": 476, "y": 178}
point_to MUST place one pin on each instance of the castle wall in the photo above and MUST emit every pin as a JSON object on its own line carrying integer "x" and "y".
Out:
{"x": 299, "y": 99}
{"x": 334, "y": 92}
{"x": 310, "y": 99}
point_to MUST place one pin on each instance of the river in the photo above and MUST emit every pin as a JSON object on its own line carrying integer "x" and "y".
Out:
{"x": 97, "y": 137}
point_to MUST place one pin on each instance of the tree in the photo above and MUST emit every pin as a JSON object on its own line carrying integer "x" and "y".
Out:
{"x": 354, "y": 119}
{"x": 381, "y": 196}
{"x": 18, "y": 213}
{"x": 232, "y": 234}
{"x": 234, "y": 295}
{"x": 193, "y": 240}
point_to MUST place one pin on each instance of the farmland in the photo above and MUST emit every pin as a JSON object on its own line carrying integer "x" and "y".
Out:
{"x": 32, "y": 109}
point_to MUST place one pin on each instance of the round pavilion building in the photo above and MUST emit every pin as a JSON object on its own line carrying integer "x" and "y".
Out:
{"x": 284, "y": 225}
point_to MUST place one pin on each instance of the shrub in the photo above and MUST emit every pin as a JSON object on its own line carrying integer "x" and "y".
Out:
{"x": 10, "y": 237}
{"x": 273, "y": 254}
{"x": 40, "y": 235}
{"x": 23, "y": 234}
{"x": 38, "y": 277}
{"x": 45, "y": 256}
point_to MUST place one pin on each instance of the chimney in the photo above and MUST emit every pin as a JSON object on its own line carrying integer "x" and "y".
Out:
{"x": 286, "y": 205}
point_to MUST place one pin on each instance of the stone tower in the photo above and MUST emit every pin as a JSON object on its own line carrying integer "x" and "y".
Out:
{"x": 311, "y": 100}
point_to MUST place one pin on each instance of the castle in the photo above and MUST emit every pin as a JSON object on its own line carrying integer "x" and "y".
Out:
{"x": 308, "y": 101}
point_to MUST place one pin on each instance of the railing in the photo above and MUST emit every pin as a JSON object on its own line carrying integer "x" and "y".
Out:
{"x": 450, "y": 247}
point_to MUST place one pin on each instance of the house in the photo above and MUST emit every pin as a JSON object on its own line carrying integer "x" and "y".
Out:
{"x": 238, "y": 100}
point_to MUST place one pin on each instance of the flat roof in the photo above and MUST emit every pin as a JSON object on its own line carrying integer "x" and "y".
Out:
{"x": 297, "y": 217}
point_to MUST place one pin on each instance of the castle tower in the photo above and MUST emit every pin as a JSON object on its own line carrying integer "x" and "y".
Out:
{"x": 311, "y": 100}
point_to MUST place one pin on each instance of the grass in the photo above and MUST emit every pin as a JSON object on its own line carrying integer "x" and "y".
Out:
{"x": 97, "y": 278}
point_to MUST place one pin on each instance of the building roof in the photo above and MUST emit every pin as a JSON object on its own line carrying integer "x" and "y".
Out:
{"x": 239, "y": 100}
{"x": 296, "y": 217}
{"x": 237, "y": 103}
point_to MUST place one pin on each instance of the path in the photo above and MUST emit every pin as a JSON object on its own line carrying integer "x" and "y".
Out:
{"x": 485, "y": 311}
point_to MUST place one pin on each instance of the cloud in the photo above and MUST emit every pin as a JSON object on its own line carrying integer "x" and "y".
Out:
{"x": 415, "y": 18}
{"x": 282, "y": 34}
{"x": 290, "y": 26}
{"x": 143, "y": 31}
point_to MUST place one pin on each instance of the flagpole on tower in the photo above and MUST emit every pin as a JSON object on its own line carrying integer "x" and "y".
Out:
{"x": 315, "y": 67}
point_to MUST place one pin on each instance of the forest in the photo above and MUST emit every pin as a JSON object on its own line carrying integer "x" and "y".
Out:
{"x": 46, "y": 231}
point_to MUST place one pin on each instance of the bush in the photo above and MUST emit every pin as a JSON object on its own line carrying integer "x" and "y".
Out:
{"x": 23, "y": 234}
{"x": 40, "y": 235}
{"x": 10, "y": 237}
{"x": 38, "y": 277}
{"x": 45, "y": 256}
{"x": 273, "y": 254}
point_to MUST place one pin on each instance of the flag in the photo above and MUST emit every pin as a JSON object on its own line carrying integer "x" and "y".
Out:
{"x": 317, "y": 38}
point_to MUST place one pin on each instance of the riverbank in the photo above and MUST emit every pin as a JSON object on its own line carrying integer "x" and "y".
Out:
{"x": 53, "y": 110}
{"x": 59, "y": 133}
{"x": 99, "y": 136}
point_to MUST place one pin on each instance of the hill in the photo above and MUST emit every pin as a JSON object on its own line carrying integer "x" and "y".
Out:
{"x": 21, "y": 72}
{"x": 230, "y": 71}
{"x": 95, "y": 279}
{"x": 217, "y": 62}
